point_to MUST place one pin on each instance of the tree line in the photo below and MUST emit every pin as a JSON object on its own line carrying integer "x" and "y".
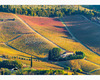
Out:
{"x": 50, "y": 11}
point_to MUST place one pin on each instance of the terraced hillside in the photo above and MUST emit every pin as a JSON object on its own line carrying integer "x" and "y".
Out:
{"x": 54, "y": 30}
{"x": 84, "y": 30}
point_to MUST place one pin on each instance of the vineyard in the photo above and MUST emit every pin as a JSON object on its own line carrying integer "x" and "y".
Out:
{"x": 85, "y": 31}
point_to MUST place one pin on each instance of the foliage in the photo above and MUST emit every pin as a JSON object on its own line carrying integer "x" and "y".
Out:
{"x": 10, "y": 64}
{"x": 41, "y": 72}
{"x": 51, "y": 11}
{"x": 79, "y": 55}
{"x": 5, "y": 71}
{"x": 31, "y": 61}
{"x": 54, "y": 54}
{"x": 32, "y": 72}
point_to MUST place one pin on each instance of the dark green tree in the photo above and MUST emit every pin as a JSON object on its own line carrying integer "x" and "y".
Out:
{"x": 31, "y": 61}
{"x": 54, "y": 54}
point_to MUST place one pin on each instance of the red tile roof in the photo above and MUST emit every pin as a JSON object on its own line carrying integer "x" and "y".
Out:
{"x": 69, "y": 51}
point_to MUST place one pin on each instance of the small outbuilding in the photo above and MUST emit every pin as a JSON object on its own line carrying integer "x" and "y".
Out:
{"x": 67, "y": 53}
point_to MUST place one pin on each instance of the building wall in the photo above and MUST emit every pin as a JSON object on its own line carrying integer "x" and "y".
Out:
{"x": 67, "y": 54}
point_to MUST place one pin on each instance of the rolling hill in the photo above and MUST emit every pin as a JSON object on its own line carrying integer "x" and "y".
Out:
{"x": 28, "y": 41}
{"x": 54, "y": 30}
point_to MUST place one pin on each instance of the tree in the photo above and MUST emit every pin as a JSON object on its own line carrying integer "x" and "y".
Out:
{"x": 31, "y": 61}
{"x": 79, "y": 53}
{"x": 17, "y": 64}
{"x": 50, "y": 55}
{"x": 15, "y": 10}
{"x": 54, "y": 54}
{"x": 26, "y": 12}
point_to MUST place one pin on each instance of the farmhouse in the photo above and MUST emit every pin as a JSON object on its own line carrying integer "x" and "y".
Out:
{"x": 67, "y": 53}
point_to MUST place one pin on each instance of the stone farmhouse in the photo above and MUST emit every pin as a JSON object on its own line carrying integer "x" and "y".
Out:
{"x": 67, "y": 53}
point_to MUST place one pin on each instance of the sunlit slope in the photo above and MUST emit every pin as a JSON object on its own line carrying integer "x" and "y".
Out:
{"x": 84, "y": 30}
{"x": 54, "y": 30}
{"x": 10, "y": 28}
{"x": 4, "y": 49}
{"x": 80, "y": 64}
{"x": 32, "y": 44}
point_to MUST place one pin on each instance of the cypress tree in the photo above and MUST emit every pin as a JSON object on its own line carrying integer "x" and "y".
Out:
{"x": 31, "y": 61}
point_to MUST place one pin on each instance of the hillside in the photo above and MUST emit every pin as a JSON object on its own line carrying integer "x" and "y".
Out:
{"x": 36, "y": 36}
{"x": 54, "y": 30}
{"x": 85, "y": 65}
{"x": 6, "y": 50}
{"x": 85, "y": 31}
{"x": 27, "y": 41}
{"x": 32, "y": 44}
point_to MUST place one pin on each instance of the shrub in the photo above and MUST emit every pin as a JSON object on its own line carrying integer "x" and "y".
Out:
{"x": 79, "y": 70}
{"x": 66, "y": 74}
{"x": 10, "y": 64}
{"x": 19, "y": 72}
{"x": 7, "y": 72}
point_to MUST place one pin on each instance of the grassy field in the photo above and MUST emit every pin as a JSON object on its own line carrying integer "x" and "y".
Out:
{"x": 55, "y": 31}
{"x": 11, "y": 28}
